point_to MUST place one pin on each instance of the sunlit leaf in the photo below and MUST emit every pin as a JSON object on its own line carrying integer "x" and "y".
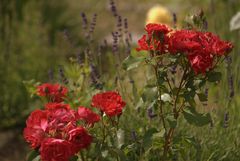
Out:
{"x": 235, "y": 22}
{"x": 132, "y": 62}
{"x": 166, "y": 97}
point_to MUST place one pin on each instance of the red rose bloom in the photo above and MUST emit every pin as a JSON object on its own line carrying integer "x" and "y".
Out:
{"x": 200, "y": 61}
{"x": 61, "y": 117}
{"x": 33, "y": 136}
{"x": 60, "y": 112}
{"x": 152, "y": 28}
{"x": 156, "y": 38}
{"x": 218, "y": 47}
{"x": 143, "y": 45}
{"x": 79, "y": 138}
{"x": 35, "y": 131}
{"x": 188, "y": 41}
{"x": 109, "y": 102}
{"x": 54, "y": 92}
{"x": 87, "y": 115}
{"x": 55, "y": 106}
{"x": 200, "y": 47}
{"x": 184, "y": 41}
{"x": 56, "y": 150}
{"x": 55, "y": 132}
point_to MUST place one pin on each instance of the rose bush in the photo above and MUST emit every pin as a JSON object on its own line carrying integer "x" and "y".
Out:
{"x": 58, "y": 132}
{"x": 183, "y": 61}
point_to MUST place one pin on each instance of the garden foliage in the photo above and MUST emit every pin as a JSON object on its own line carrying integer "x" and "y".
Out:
{"x": 87, "y": 119}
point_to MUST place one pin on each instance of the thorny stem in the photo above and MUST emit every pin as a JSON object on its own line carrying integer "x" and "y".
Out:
{"x": 177, "y": 95}
{"x": 169, "y": 84}
{"x": 176, "y": 112}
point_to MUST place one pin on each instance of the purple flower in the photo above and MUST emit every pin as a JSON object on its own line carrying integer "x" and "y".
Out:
{"x": 226, "y": 119}
{"x": 150, "y": 113}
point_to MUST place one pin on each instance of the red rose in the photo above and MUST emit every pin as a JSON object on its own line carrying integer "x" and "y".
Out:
{"x": 35, "y": 130}
{"x": 152, "y": 28}
{"x": 200, "y": 61}
{"x": 33, "y": 136}
{"x": 61, "y": 117}
{"x": 60, "y": 111}
{"x": 54, "y": 92}
{"x": 79, "y": 138}
{"x": 184, "y": 41}
{"x": 109, "y": 102}
{"x": 87, "y": 115}
{"x": 218, "y": 47}
{"x": 188, "y": 41}
{"x": 54, "y": 106}
{"x": 56, "y": 150}
{"x": 156, "y": 38}
{"x": 143, "y": 45}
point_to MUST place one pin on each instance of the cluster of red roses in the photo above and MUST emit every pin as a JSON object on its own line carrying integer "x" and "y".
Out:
{"x": 200, "y": 48}
{"x": 56, "y": 130}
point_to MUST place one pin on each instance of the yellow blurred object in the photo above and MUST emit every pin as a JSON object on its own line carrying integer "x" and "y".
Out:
{"x": 159, "y": 14}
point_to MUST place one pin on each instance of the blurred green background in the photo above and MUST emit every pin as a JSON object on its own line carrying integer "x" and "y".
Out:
{"x": 33, "y": 41}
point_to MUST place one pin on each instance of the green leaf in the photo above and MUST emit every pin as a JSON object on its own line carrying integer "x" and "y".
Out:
{"x": 166, "y": 97}
{"x": 162, "y": 74}
{"x": 157, "y": 140}
{"x": 74, "y": 158}
{"x": 159, "y": 134}
{"x": 147, "y": 139}
{"x": 189, "y": 95}
{"x": 149, "y": 94}
{"x": 192, "y": 141}
{"x": 171, "y": 121}
{"x": 201, "y": 83}
{"x": 32, "y": 155}
{"x": 31, "y": 85}
{"x": 128, "y": 148}
{"x": 195, "y": 118}
{"x": 132, "y": 62}
{"x": 214, "y": 76}
{"x": 235, "y": 22}
{"x": 202, "y": 97}
{"x": 120, "y": 153}
{"x": 120, "y": 137}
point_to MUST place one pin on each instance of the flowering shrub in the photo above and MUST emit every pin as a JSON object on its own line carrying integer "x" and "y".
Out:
{"x": 183, "y": 61}
{"x": 59, "y": 132}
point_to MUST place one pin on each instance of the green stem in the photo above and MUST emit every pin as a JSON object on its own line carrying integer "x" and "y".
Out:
{"x": 159, "y": 98}
{"x": 167, "y": 143}
{"x": 169, "y": 84}
{"x": 82, "y": 156}
{"x": 170, "y": 133}
{"x": 177, "y": 95}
